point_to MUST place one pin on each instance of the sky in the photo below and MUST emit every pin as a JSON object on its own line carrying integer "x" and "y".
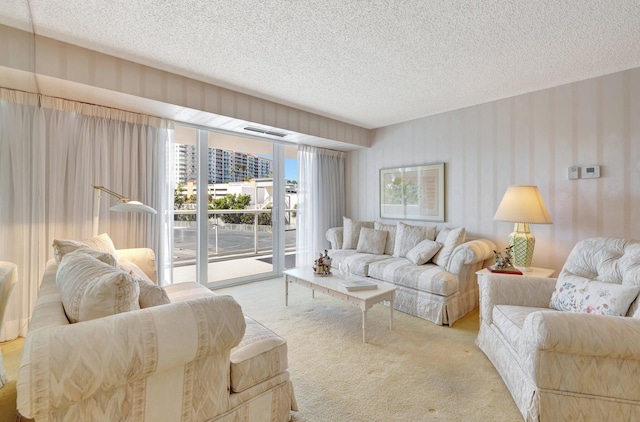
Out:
{"x": 291, "y": 169}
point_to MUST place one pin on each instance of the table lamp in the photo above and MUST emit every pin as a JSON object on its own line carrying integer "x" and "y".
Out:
{"x": 124, "y": 205}
{"x": 522, "y": 205}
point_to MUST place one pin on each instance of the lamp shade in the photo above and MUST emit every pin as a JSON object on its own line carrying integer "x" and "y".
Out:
{"x": 132, "y": 206}
{"x": 523, "y": 204}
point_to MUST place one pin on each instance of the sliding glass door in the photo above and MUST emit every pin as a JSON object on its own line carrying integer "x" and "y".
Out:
{"x": 234, "y": 209}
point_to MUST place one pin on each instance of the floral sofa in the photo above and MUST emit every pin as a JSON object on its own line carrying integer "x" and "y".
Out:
{"x": 435, "y": 276}
{"x": 568, "y": 349}
{"x": 105, "y": 343}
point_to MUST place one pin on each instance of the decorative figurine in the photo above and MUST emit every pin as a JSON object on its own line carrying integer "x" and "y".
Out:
{"x": 503, "y": 263}
{"x": 322, "y": 265}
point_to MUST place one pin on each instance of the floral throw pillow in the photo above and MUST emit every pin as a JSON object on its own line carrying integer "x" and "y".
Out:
{"x": 578, "y": 294}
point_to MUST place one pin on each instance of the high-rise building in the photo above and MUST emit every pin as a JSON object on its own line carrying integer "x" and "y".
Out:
{"x": 222, "y": 166}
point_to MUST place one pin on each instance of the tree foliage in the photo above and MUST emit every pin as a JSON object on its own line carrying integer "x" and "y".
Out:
{"x": 232, "y": 202}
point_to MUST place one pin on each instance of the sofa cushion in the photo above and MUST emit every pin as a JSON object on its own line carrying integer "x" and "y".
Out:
{"x": 100, "y": 243}
{"x": 427, "y": 278}
{"x": 450, "y": 239}
{"x": 351, "y": 232}
{"x": 261, "y": 354}
{"x": 150, "y": 293}
{"x": 91, "y": 289}
{"x": 578, "y": 294}
{"x": 408, "y": 236}
{"x": 390, "y": 244}
{"x": 423, "y": 252}
{"x": 180, "y": 292}
{"x": 372, "y": 241}
{"x": 358, "y": 263}
{"x": 338, "y": 255}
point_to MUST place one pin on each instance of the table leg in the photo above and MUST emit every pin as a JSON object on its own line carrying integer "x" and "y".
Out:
{"x": 286, "y": 290}
{"x": 391, "y": 314}
{"x": 364, "y": 325}
{"x": 313, "y": 294}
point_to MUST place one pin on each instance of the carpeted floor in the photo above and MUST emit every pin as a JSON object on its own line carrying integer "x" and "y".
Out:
{"x": 417, "y": 372}
{"x": 11, "y": 351}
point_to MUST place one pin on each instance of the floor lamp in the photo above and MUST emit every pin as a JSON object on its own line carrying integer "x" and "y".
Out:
{"x": 522, "y": 205}
{"x": 124, "y": 205}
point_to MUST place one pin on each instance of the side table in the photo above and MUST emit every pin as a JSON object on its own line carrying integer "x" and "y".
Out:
{"x": 535, "y": 272}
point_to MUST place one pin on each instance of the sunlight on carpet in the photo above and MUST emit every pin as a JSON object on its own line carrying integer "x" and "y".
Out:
{"x": 417, "y": 372}
{"x": 11, "y": 352}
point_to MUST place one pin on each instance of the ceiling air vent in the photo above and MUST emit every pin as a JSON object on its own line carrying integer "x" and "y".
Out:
{"x": 265, "y": 131}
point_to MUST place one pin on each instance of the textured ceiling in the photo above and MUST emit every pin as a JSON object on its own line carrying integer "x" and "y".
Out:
{"x": 369, "y": 63}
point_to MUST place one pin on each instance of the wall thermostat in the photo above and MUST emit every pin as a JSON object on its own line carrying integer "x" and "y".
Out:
{"x": 590, "y": 172}
{"x": 574, "y": 172}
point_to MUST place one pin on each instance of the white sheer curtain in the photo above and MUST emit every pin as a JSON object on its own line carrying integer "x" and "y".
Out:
{"x": 321, "y": 201}
{"x": 51, "y": 152}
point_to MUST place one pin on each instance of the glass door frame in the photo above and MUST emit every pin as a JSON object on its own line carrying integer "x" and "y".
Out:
{"x": 202, "y": 202}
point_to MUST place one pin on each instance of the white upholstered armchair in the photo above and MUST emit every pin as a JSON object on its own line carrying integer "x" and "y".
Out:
{"x": 569, "y": 348}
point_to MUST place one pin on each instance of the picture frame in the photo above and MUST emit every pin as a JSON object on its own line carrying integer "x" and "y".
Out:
{"x": 413, "y": 193}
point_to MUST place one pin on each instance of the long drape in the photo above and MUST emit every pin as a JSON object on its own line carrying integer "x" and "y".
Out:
{"x": 51, "y": 152}
{"x": 321, "y": 200}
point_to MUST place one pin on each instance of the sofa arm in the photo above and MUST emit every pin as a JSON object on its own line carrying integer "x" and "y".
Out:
{"x": 501, "y": 289}
{"x": 65, "y": 365}
{"x": 471, "y": 252}
{"x": 144, "y": 258}
{"x": 334, "y": 236}
{"x": 584, "y": 334}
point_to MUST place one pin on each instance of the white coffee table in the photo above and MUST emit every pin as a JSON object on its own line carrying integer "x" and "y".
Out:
{"x": 330, "y": 285}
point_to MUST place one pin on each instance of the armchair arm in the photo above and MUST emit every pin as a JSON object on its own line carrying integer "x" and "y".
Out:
{"x": 594, "y": 355}
{"x": 65, "y": 365}
{"x": 334, "y": 236}
{"x": 500, "y": 289}
{"x": 144, "y": 258}
{"x": 471, "y": 252}
{"x": 584, "y": 334}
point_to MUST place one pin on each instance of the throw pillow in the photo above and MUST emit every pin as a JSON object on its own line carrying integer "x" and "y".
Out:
{"x": 450, "y": 239}
{"x": 391, "y": 238}
{"x": 578, "y": 294}
{"x": 351, "y": 232}
{"x": 408, "y": 236}
{"x": 372, "y": 241}
{"x": 101, "y": 243}
{"x": 423, "y": 252}
{"x": 150, "y": 293}
{"x": 91, "y": 289}
{"x": 105, "y": 257}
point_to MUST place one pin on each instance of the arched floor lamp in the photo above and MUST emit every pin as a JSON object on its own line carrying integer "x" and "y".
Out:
{"x": 124, "y": 205}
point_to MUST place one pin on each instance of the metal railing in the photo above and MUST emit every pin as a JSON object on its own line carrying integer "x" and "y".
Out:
{"x": 255, "y": 212}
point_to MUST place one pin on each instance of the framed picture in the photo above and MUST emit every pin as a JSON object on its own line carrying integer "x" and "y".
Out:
{"x": 412, "y": 193}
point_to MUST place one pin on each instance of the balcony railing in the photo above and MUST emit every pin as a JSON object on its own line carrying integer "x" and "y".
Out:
{"x": 214, "y": 223}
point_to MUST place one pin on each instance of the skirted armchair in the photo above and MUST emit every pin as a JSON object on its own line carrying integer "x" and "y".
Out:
{"x": 569, "y": 348}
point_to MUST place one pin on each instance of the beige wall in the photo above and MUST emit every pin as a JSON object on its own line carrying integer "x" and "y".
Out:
{"x": 528, "y": 139}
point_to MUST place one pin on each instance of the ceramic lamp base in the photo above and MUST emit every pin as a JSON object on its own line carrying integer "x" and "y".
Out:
{"x": 522, "y": 243}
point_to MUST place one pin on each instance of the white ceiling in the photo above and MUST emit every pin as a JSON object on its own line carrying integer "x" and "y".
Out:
{"x": 369, "y": 63}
